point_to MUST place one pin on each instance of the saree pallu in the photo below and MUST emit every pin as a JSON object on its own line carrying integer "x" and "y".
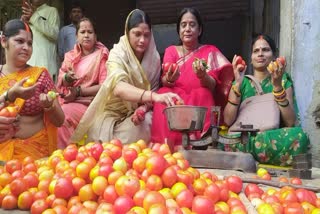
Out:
{"x": 90, "y": 70}
{"x": 189, "y": 88}
{"x": 41, "y": 144}
{"x": 278, "y": 146}
{"x": 109, "y": 116}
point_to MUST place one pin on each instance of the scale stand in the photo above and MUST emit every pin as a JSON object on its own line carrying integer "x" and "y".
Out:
{"x": 204, "y": 153}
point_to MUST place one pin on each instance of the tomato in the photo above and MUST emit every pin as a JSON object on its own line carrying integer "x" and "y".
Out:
{"x": 139, "y": 196}
{"x": 123, "y": 204}
{"x": 202, "y": 205}
{"x": 293, "y": 208}
{"x": 213, "y": 192}
{"x": 252, "y": 188}
{"x": 304, "y": 195}
{"x": 169, "y": 177}
{"x": 282, "y": 60}
{"x": 96, "y": 150}
{"x": 185, "y": 198}
{"x": 63, "y": 188}
{"x": 12, "y": 165}
{"x": 52, "y": 94}
{"x": 153, "y": 197}
{"x": 29, "y": 82}
{"x": 18, "y": 186}
{"x": 234, "y": 183}
{"x": 156, "y": 164}
{"x": 296, "y": 181}
{"x": 169, "y": 66}
{"x": 39, "y": 206}
{"x": 99, "y": 184}
{"x": 130, "y": 154}
{"x": 9, "y": 202}
{"x": 25, "y": 200}
{"x": 241, "y": 62}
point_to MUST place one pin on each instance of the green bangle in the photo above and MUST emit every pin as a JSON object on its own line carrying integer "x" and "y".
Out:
{"x": 78, "y": 91}
{"x": 282, "y": 104}
{"x": 67, "y": 79}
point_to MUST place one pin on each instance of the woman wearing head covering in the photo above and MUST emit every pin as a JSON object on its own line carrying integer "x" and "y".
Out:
{"x": 121, "y": 109}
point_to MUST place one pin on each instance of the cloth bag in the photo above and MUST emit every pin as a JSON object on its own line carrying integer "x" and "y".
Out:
{"x": 261, "y": 111}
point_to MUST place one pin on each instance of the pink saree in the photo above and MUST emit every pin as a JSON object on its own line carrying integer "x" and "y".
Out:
{"x": 189, "y": 88}
{"x": 91, "y": 70}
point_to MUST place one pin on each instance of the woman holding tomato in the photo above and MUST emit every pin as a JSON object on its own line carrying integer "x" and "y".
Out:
{"x": 121, "y": 108}
{"x": 24, "y": 88}
{"x": 202, "y": 76}
{"x": 276, "y": 146}
{"x": 80, "y": 77}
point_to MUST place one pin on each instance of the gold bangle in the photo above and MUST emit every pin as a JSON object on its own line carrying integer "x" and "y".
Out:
{"x": 233, "y": 103}
{"x": 236, "y": 91}
{"x": 142, "y": 96}
{"x": 282, "y": 104}
{"x": 278, "y": 94}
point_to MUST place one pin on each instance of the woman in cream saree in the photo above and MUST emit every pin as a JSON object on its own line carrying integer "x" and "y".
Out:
{"x": 133, "y": 74}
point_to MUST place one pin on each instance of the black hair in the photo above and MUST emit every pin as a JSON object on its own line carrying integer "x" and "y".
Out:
{"x": 194, "y": 12}
{"x": 86, "y": 19}
{"x": 268, "y": 39}
{"x": 13, "y": 26}
{"x": 76, "y": 4}
{"x": 137, "y": 17}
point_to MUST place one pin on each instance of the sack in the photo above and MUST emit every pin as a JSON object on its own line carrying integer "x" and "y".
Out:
{"x": 261, "y": 111}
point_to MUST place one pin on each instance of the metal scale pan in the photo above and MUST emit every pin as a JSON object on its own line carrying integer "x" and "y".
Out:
{"x": 186, "y": 119}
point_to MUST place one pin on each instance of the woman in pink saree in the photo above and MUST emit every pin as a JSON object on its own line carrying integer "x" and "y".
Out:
{"x": 81, "y": 74}
{"x": 195, "y": 83}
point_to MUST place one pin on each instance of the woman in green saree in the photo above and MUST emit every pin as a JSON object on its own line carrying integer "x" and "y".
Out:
{"x": 277, "y": 146}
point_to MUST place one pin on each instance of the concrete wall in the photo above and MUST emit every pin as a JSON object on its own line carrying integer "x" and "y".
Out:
{"x": 300, "y": 43}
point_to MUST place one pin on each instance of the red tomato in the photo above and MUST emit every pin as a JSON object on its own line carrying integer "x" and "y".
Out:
{"x": 185, "y": 198}
{"x": 18, "y": 186}
{"x": 39, "y": 206}
{"x": 240, "y": 61}
{"x": 96, "y": 150}
{"x": 25, "y": 200}
{"x": 63, "y": 188}
{"x": 234, "y": 183}
{"x": 202, "y": 205}
{"x": 213, "y": 192}
{"x": 304, "y": 195}
{"x": 9, "y": 202}
{"x": 165, "y": 67}
{"x": 296, "y": 181}
{"x": 282, "y": 60}
{"x": 123, "y": 204}
{"x": 252, "y": 188}
{"x": 13, "y": 165}
{"x": 293, "y": 208}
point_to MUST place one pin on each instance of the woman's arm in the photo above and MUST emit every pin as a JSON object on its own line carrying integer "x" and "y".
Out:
{"x": 133, "y": 94}
{"x": 288, "y": 114}
{"x": 53, "y": 110}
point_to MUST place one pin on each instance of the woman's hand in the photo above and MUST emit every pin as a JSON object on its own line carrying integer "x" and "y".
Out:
{"x": 200, "y": 67}
{"x": 71, "y": 95}
{"x": 8, "y": 127}
{"x": 70, "y": 76}
{"x": 20, "y": 91}
{"x": 172, "y": 75}
{"x": 276, "y": 72}
{"x": 46, "y": 101}
{"x": 169, "y": 99}
{"x": 238, "y": 70}
{"x": 139, "y": 115}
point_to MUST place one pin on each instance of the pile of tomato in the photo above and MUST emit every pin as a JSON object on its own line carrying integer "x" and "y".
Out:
{"x": 114, "y": 178}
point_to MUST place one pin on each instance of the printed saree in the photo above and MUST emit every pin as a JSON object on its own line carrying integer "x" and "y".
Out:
{"x": 41, "y": 144}
{"x": 278, "y": 146}
{"x": 108, "y": 116}
{"x": 90, "y": 70}
{"x": 189, "y": 88}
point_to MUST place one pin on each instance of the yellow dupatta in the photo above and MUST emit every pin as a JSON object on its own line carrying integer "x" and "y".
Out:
{"x": 122, "y": 65}
{"x": 35, "y": 146}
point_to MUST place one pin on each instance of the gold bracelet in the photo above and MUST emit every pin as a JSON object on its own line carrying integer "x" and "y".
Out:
{"x": 236, "y": 91}
{"x": 142, "y": 96}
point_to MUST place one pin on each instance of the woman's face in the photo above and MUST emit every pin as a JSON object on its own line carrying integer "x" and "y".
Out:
{"x": 189, "y": 29}
{"x": 139, "y": 39}
{"x": 86, "y": 36}
{"x": 261, "y": 55}
{"x": 18, "y": 47}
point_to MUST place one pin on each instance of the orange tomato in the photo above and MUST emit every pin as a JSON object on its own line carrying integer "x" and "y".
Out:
{"x": 29, "y": 82}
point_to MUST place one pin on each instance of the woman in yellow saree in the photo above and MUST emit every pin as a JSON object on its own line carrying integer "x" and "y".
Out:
{"x": 122, "y": 107}
{"x": 33, "y": 131}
